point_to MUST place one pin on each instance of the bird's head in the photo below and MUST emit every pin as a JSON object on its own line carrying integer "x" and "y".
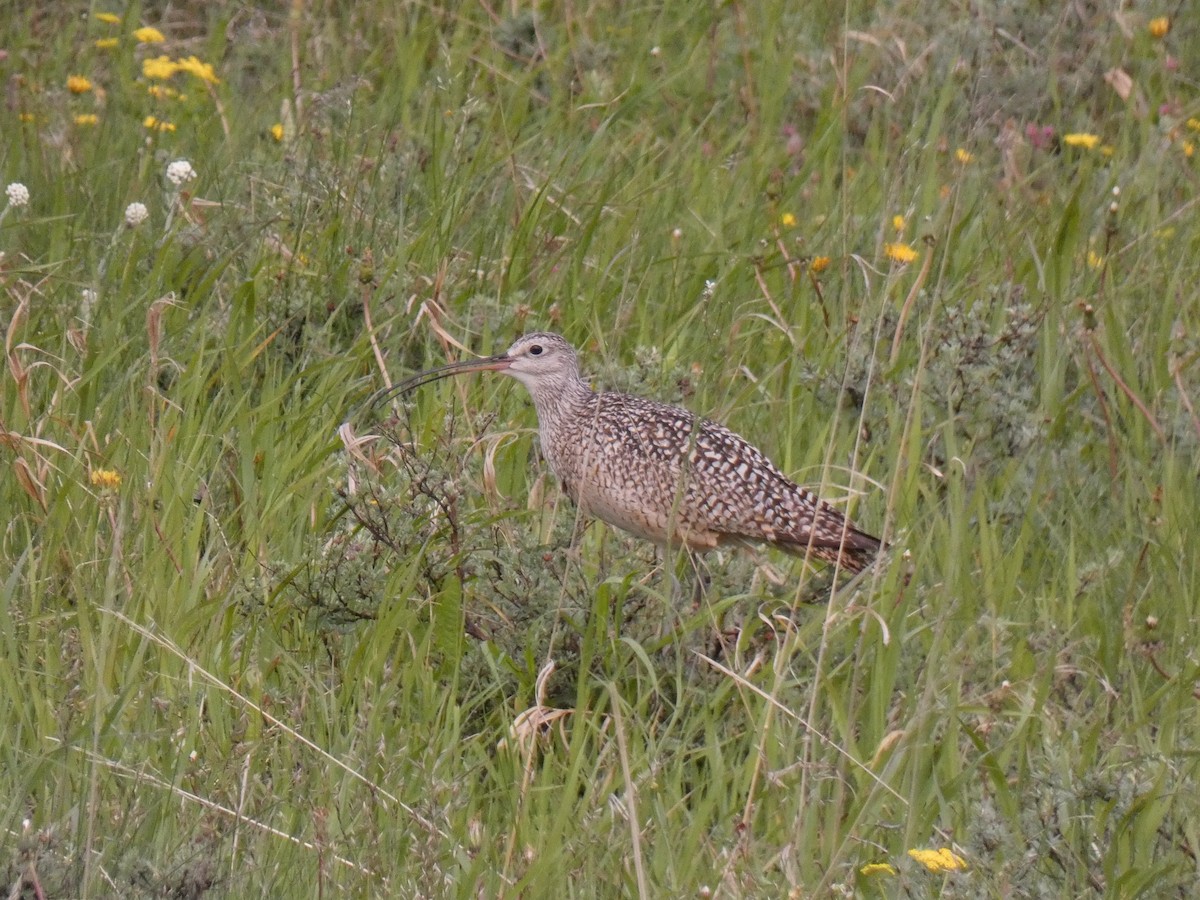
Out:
{"x": 540, "y": 360}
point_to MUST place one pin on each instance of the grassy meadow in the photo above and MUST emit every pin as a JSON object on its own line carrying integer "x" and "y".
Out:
{"x": 940, "y": 261}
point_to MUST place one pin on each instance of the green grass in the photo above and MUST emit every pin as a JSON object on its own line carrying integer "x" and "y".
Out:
{"x": 279, "y": 661}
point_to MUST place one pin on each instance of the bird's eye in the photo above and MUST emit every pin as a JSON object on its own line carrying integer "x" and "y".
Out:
{"x": 535, "y": 350}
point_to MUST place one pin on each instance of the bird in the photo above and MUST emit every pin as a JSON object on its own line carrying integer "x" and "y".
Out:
{"x": 658, "y": 471}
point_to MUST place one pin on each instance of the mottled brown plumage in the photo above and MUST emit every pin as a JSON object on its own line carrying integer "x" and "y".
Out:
{"x": 660, "y": 472}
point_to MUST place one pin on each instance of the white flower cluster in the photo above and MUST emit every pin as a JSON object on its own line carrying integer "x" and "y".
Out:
{"x": 136, "y": 214}
{"x": 18, "y": 195}
{"x": 180, "y": 172}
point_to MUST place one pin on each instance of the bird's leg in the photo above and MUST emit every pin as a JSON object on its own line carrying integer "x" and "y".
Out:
{"x": 723, "y": 638}
{"x": 763, "y": 565}
{"x": 683, "y": 565}
{"x": 672, "y": 572}
{"x": 847, "y": 583}
{"x": 701, "y": 578}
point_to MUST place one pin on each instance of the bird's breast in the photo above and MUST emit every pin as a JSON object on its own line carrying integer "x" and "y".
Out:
{"x": 628, "y": 482}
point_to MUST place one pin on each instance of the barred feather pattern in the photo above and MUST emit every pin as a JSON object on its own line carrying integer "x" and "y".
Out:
{"x": 666, "y": 475}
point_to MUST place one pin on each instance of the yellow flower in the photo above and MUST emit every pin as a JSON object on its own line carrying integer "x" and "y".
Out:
{"x": 877, "y": 869}
{"x": 157, "y": 125}
{"x": 77, "y": 84}
{"x": 148, "y": 35}
{"x": 110, "y": 18}
{"x": 901, "y": 253}
{"x": 787, "y": 220}
{"x": 899, "y": 223}
{"x": 1087, "y": 141}
{"x": 1188, "y": 149}
{"x": 1193, "y": 124}
{"x": 277, "y": 131}
{"x": 105, "y": 478}
{"x": 27, "y": 117}
{"x": 202, "y": 70}
{"x": 1107, "y": 149}
{"x": 1159, "y": 27}
{"x": 963, "y": 156}
{"x": 160, "y": 67}
{"x": 944, "y": 860}
{"x": 1095, "y": 260}
{"x": 107, "y": 43}
{"x": 161, "y": 92}
{"x": 87, "y": 119}
{"x": 818, "y": 264}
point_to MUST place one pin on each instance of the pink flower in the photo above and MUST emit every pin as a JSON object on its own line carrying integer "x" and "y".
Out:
{"x": 1041, "y": 136}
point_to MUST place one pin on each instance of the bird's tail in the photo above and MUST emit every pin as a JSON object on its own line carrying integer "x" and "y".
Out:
{"x": 843, "y": 545}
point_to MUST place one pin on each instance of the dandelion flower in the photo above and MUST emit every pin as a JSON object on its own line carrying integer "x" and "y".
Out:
{"x": 901, "y": 253}
{"x": 818, "y": 264}
{"x": 1159, "y": 27}
{"x": 154, "y": 124}
{"x": 77, "y": 84}
{"x": 944, "y": 860}
{"x": 179, "y": 172}
{"x": 159, "y": 67}
{"x": 148, "y": 35}
{"x": 18, "y": 195}
{"x": 105, "y": 478}
{"x": 84, "y": 119}
{"x": 136, "y": 214}
{"x": 787, "y": 220}
{"x": 963, "y": 156}
{"x": 899, "y": 223}
{"x": 277, "y": 131}
{"x": 877, "y": 869}
{"x": 110, "y": 18}
{"x": 1087, "y": 141}
{"x": 202, "y": 70}
{"x": 107, "y": 43}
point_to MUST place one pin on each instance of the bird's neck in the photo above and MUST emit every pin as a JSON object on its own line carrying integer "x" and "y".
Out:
{"x": 557, "y": 402}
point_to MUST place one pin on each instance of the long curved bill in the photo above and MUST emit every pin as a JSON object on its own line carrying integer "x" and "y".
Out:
{"x": 486, "y": 364}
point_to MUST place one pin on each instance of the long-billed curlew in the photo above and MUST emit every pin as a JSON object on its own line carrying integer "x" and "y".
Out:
{"x": 658, "y": 471}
